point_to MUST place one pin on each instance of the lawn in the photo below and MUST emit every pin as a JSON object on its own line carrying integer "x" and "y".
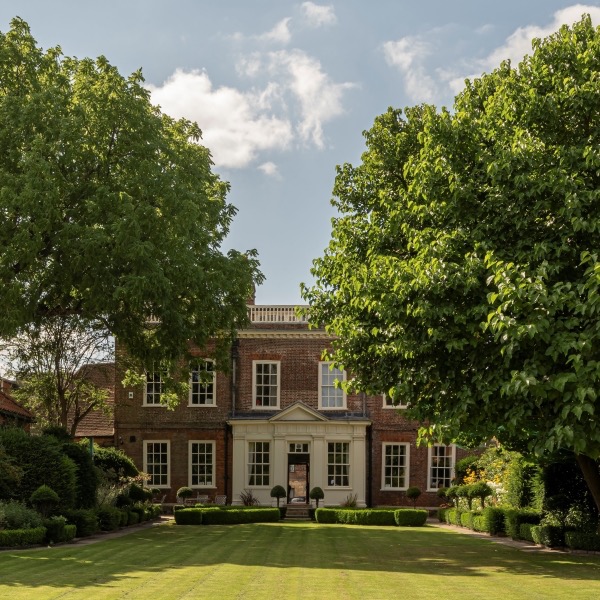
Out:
{"x": 299, "y": 560}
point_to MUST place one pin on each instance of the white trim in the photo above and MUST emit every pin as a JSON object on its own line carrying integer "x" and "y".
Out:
{"x": 430, "y": 488}
{"x": 254, "y": 384}
{"x": 214, "y": 384}
{"x": 213, "y": 484}
{"x": 145, "y": 450}
{"x": 329, "y": 484}
{"x": 344, "y": 403}
{"x": 406, "y": 445}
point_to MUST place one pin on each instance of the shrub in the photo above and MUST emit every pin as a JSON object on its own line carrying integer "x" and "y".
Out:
{"x": 466, "y": 519}
{"x": 453, "y": 516}
{"x": 124, "y": 519}
{"x": 113, "y": 462}
{"x": 189, "y": 516}
{"x": 463, "y": 466}
{"x": 311, "y": 513}
{"x": 87, "y": 478}
{"x": 480, "y": 490}
{"x": 441, "y": 514}
{"x": 248, "y": 498}
{"x": 462, "y": 491}
{"x": 22, "y": 537}
{"x": 278, "y": 492}
{"x": 513, "y": 519}
{"x": 407, "y": 517}
{"x": 42, "y": 462}
{"x": 494, "y": 520}
{"x": 582, "y": 540}
{"x": 451, "y": 493}
{"x": 85, "y": 520}
{"x": 325, "y": 515}
{"x": 184, "y": 492}
{"x": 109, "y": 518}
{"x": 413, "y": 493}
{"x": 365, "y": 516}
{"x": 55, "y": 529}
{"x": 282, "y": 512}
{"x": 133, "y": 517}
{"x": 316, "y": 494}
{"x": 70, "y": 532}
{"x": 525, "y": 532}
{"x": 479, "y": 523}
{"x": 139, "y": 494}
{"x": 141, "y": 512}
{"x": 552, "y": 536}
{"x": 44, "y": 500}
{"x": 15, "y": 515}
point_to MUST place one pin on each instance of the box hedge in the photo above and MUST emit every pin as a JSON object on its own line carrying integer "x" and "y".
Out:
{"x": 410, "y": 517}
{"x": 582, "y": 540}
{"x": 552, "y": 536}
{"x": 22, "y": 537}
{"x": 189, "y": 516}
{"x": 85, "y": 520}
{"x": 109, "y": 518}
{"x": 514, "y": 518}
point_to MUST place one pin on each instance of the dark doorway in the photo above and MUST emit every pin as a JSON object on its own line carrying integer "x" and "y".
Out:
{"x": 298, "y": 478}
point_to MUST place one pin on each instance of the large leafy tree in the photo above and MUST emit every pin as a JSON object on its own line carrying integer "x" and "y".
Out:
{"x": 463, "y": 273}
{"x": 110, "y": 212}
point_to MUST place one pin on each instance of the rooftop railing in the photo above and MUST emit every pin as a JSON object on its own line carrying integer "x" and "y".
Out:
{"x": 283, "y": 313}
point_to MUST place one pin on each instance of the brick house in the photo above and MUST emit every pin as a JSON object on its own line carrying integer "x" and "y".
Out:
{"x": 277, "y": 418}
{"x": 12, "y": 414}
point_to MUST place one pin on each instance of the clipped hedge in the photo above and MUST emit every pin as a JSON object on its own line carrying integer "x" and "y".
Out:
{"x": 453, "y": 516}
{"x": 552, "y": 536}
{"x": 525, "y": 532}
{"x": 189, "y": 516}
{"x": 22, "y": 537}
{"x": 109, "y": 518}
{"x": 514, "y": 518}
{"x": 85, "y": 520}
{"x": 494, "y": 520}
{"x": 582, "y": 540}
{"x": 466, "y": 519}
{"x": 410, "y": 517}
{"x": 441, "y": 514}
{"x": 480, "y": 523}
{"x": 133, "y": 517}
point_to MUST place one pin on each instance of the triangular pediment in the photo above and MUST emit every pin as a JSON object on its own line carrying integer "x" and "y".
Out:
{"x": 298, "y": 412}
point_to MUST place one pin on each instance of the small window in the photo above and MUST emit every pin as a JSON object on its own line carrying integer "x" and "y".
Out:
{"x": 153, "y": 388}
{"x": 156, "y": 463}
{"x": 203, "y": 384}
{"x": 441, "y": 466}
{"x": 389, "y": 403}
{"x": 331, "y": 394}
{"x": 298, "y": 448}
{"x": 266, "y": 384}
{"x": 338, "y": 464}
{"x": 259, "y": 466}
{"x": 395, "y": 466}
{"x": 202, "y": 464}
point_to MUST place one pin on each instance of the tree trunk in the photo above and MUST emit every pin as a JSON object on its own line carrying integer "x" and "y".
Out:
{"x": 591, "y": 473}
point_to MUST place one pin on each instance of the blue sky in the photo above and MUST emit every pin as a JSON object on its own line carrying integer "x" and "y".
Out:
{"x": 283, "y": 90}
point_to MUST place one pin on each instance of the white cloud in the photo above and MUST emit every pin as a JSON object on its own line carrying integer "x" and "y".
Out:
{"x": 280, "y": 34}
{"x": 518, "y": 44}
{"x": 236, "y": 125}
{"x": 319, "y": 98}
{"x": 408, "y": 54}
{"x": 423, "y": 81}
{"x": 270, "y": 169}
{"x": 318, "y": 15}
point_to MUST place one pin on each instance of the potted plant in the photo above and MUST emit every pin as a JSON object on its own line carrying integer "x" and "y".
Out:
{"x": 413, "y": 493}
{"x": 316, "y": 494}
{"x": 184, "y": 492}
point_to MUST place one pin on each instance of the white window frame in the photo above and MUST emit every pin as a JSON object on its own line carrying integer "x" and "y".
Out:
{"x": 389, "y": 405}
{"x": 255, "y": 364}
{"x": 430, "y": 457}
{"x": 406, "y": 466}
{"x": 151, "y": 483}
{"x": 213, "y": 477}
{"x": 202, "y": 387}
{"x": 249, "y": 473}
{"x": 153, "y": 382}
{"x": 332, "y": 476}
{"x": 327, "y": 365}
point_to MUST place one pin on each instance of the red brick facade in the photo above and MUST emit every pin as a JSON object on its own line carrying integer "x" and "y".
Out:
{"x": 297, "y": 352}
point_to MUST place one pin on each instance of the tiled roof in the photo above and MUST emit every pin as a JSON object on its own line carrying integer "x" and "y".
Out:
{"x": 96, "y": 423}
{"x": 8, "y": 405}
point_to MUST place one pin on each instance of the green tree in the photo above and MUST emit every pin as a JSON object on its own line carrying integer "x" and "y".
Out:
{"x": 110, "y": 211}
{"x": 463, "y": 275}
{"x": 59, "y": 366}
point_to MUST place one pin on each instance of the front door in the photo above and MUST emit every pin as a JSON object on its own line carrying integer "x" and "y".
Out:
{"x": 298, "y": 478}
